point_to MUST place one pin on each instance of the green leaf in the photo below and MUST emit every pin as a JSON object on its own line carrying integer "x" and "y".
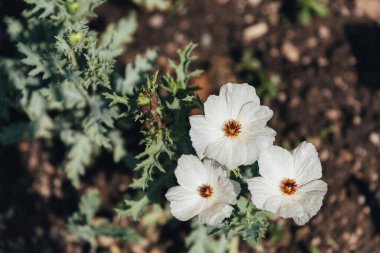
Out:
{"x": 117, "y": 36}
{"x": 136, "y": 72}
{"x": 183, "y": 75}
{"x": 133, "y": 208}
{"x": 78, "y": 158}
{"x": 34, "y": 60}
{"x": 89, "y": 203}
{"x": 117, "y": 142}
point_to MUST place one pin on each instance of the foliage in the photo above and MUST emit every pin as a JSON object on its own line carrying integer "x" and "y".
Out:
{"x": 66, "y": 85}
{"x": 59, "y": 78}
{"x": 155, "y": 113}
{"x": 303, "y": 11}
{"x": 83, "y": 224}
{"x": 308, "y": 8}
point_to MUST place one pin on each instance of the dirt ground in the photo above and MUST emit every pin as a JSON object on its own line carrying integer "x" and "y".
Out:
{"x": 329, "y": 94}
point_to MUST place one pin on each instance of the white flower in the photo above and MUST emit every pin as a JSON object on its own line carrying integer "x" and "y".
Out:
{"x": 233, "y": 130}
{"x": 289, "y": 186}
{"x": 204, "y": 190}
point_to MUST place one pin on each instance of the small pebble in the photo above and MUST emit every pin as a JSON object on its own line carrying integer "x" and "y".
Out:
{"x": 291, "y": 52}
{"x": 255, "y": 32}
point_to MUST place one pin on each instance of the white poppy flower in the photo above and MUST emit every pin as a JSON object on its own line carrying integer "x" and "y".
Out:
{"x": 289, "y": 185}
{"x": 233, "y": 130}
{"x": 204, "y": 190}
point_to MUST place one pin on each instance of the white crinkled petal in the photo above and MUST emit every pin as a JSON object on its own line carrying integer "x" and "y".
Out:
{"x": 236, "y": 96}
{"x": 261, "y": 190}
{"x": 216, "y": 111}
{"x": 310, "y": 196}
{"x": 254, "y": 115}
{"x": 307, "y": 165}
{"x": 228, "y": 152}
{"x": 227, "y": 190}
{"x": 261, "y": 140}
{"x": 202, "y": 133}
{"x": 215, "y": 214}
{"x": 283, "y": 206}
{"x": 184, "y": 204}
{"x": 190, "y": 172}
{"x": 275, "y": 164}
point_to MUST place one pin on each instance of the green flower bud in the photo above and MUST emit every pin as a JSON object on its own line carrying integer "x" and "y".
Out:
{"x": 142, "y": 100}
{"x": 73, "y": 7}
{"x": 74, "y": 38}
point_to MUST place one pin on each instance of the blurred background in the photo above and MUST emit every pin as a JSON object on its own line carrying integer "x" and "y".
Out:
{"x": 315, "y": 63}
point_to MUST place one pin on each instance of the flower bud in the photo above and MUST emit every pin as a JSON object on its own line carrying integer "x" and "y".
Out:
{"x": 75, "y": 37}
{"x": 73, "y": 7}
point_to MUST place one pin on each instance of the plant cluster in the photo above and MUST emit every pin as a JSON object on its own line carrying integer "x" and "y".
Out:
{"x": 65, "y": 86}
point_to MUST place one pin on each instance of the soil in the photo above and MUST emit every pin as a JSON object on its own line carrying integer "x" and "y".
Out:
{"x": 329, "y": 94}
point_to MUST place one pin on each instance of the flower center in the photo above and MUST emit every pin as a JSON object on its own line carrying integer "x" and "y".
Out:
{"x": 232, "y": 128}
{"x": 288, "y": 186}
{"x": 205, "y": 191}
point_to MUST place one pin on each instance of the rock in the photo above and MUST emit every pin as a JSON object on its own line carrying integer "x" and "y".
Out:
{"x": 206, "y": 40}
{"x": 311, "y": 42}
{"x": 255, "y": 32}
{"x": 374, "y": 138}
{"x": 254, "y": 3}
{"x": 324, "y": 32}
{"x": 333, "y": 114}
{"x": 371, "y": 8}
{"x": 156, "y": 21}
{"x": 291, "y": 52}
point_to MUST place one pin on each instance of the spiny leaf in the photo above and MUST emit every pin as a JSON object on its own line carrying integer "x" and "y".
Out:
{"x": 78, "y": 158}
{"x": 118, "y": 35}
{"x": 133, "y": 208}
{"x": 136, "y": 72}
{"x": 34, "y": 59}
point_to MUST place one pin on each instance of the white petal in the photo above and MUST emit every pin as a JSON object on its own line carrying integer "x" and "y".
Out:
{"x": 307, "y": 165}
{"x": 261, "y": 190}
{"x": 260, "y": 141}
{"x": 237, "y": 95}
{"x": 215, "y": 214}
{"x": 211, "y": 163}
{"x": 255, "y": 115}
{"x": 184, "y": 204}
{"x": 216, "y": 111}
{"x": 228, "y": 152}
{"x": 227, "y": 190}
{"x": 202, "y": 133}
{"x": 275, "y": 164}
{"x": 190, "y": 172}
{"x": 310, "y": 196}
{"x": 283, "y": 206}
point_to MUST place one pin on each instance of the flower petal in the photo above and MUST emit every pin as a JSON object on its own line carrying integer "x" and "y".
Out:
{"x": 229, "y": 152}
{"x": 275, "y": 164}
{"x": 215, "y": 214}
{"x": 227, "y": 190}
{"x": 307, "y": 166}
{"x": 202, "y": 133}
{"x": 284, "y": 206}
{"x": 236, "y": 96}
{"x": 310, "y": 196}
{"x": 254, "y": 115}
{"x": 260, "y": 141}
{"x": 190, "y": 172}
{"x": 184, "y": 204}
{"x": 216, "y": 110}
{"x": 261, "y": 191}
